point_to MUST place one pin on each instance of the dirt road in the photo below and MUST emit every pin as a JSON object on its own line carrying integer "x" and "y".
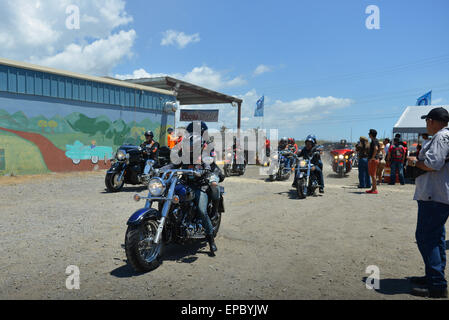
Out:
{"x": 271, "y": 245}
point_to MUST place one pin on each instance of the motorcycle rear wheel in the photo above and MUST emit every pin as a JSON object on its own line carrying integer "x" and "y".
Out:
{"x": 142, "y": 254}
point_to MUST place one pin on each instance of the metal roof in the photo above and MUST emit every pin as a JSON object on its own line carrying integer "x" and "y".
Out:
{"x": 187, "y": 93}
{"x": 410, "y": 120}
{"x": 106, "y": 80}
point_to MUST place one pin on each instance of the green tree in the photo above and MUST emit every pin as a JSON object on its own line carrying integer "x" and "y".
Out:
{"x": 42, "y": 124}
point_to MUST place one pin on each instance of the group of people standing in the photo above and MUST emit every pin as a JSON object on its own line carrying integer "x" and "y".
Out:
{"x": 370, "y": 154}
{"x": 374, "y": 156}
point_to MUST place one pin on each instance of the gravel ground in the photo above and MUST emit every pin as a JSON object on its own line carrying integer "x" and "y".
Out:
{"x": 271, "y": 245}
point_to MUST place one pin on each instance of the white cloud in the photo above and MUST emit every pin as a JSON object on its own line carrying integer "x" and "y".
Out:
{"x": 202, "y": 76}
{"x": 282, "y": 115}
{"x": 96, "y": 58}
{"x": 173, "y": 37}
{"x": 139, "y": 74}
{"x": 261, "y": 69}
{"x": 36, "y": 31}
{"x": 212, "y": 79}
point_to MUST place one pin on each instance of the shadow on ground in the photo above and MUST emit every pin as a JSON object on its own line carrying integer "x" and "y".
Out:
{"x": 292, "y": 194}
{"x": 128, "y": 189}
{"x": 392, "y": 286}
{"x": 173, "y": 252}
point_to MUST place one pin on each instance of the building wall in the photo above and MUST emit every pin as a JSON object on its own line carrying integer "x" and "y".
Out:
{"x": 57, "y": 124}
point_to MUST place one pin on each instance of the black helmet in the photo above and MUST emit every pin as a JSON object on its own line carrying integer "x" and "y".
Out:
{"x": 149, "y": 134}
{"x": 311, "y": 138}
{"x": 203, "y": 125}
{"x": 170, "y": 130}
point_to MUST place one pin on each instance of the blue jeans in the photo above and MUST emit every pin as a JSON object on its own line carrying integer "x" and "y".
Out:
{"x": 319, "y": 174}
{"x": 202, "y": 200}
{"x": 431, "y": 240}
{"x": 364, "y": 178}
{"x": 399, "y": 167}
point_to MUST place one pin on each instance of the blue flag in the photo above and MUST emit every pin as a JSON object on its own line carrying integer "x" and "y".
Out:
{"x": 259, "y": 107}
{"x": 425, "y": 100}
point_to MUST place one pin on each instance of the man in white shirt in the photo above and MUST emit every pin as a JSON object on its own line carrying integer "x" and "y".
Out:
{"x": 432, "y": 194}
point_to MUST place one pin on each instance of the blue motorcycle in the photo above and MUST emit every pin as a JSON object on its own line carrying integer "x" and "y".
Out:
{"x": 306, "y": 181}
{"x": 175, "y": 221}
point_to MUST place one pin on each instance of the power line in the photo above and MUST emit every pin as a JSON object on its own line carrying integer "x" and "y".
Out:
{"x": 423, "y": 63}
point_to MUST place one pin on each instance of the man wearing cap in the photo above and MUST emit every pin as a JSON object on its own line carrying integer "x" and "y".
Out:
{"x": 432, "y": 194}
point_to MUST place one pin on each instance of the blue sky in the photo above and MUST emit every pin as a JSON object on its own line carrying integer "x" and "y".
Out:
{"x": 324, "y": 71}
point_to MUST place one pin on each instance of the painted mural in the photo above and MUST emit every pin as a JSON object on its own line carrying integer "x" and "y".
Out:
{"x": 75, "y": 142}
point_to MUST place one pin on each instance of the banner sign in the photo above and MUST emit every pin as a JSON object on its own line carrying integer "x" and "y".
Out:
{"x": 199, "y": 115}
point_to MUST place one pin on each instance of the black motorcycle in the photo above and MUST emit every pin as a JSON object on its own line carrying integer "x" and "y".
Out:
{"x": 175, "y": 221}
{"x": 132, "y": 166}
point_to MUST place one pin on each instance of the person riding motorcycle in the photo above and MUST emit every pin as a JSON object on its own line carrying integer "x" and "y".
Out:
{"x": 203, "y": 190}
{"x": 284, "y": 146}
{"x": 309, "y": 153}
{"x": 150, "y": 147}
{"x": 292, "y": 145}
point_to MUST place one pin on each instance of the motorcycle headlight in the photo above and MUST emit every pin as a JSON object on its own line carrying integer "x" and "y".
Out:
{"x": 121, "y": 155}
{"x": 336, "y": 157}
{"x": 275, "y": 157}
{"x": 340, "y": 157}
{"x": 229, "y": 155}
{"x": 214, "y": 178}
{"x": 303, "y": 163}
{"x": 156, "y": 187}
{"x": 346, "y": 157}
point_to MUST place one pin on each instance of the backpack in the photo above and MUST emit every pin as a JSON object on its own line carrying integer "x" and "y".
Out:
{"x": 397, "y": 154}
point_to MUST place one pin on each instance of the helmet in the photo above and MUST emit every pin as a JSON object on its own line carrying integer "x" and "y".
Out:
{"x": 149, "y": 134}
{"x": 170, "y": 130}
{"x": 284, "y": 140}
{"x": 190, "y": 127}
{"x": 311, "y": 138}
{"x": 291, "y": 140}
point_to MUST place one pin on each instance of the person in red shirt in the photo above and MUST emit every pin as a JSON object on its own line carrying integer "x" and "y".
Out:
{"x": 292, "y": 144}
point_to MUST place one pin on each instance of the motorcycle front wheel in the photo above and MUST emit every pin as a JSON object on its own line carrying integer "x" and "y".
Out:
{"x": 142, "y": 253}
{"x": 111, "y": 182}
{"x": 341, "y": 172}
{"x": 300, "y": 189}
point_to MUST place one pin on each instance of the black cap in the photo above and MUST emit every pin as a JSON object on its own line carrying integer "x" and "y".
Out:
{"x": 438, "y": 114}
